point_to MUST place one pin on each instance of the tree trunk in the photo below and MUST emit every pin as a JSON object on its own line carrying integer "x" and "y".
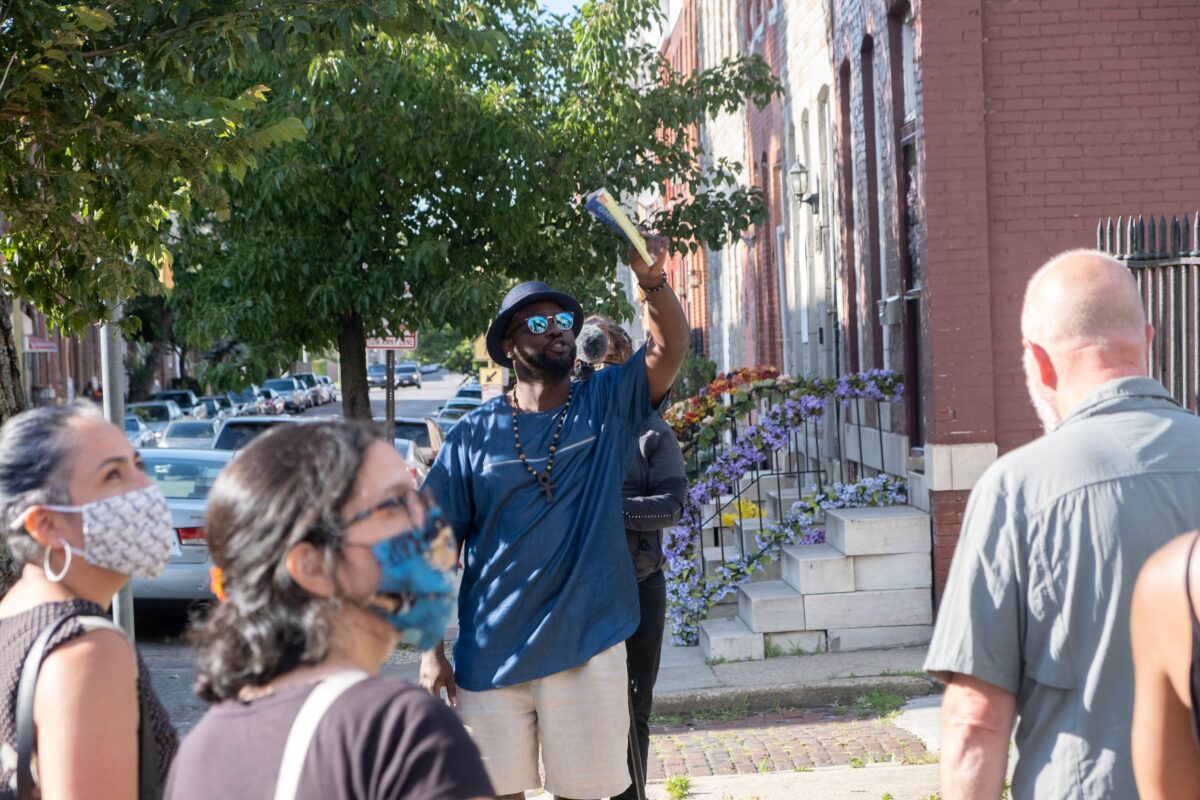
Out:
{"x": 352, "y": 350}
{"x": 12, "y": 394}
{"x": 12, "y": 402}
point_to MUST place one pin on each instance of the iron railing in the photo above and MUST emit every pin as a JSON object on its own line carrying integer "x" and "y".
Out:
{"x": 1165, "y": 259}
{"x": 793, "y": 471}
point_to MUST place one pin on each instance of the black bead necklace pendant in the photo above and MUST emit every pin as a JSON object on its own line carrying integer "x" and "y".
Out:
{"x": 543, "y": 478}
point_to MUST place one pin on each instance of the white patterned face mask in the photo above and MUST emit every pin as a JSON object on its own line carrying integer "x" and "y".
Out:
{"x": 129, "y": 533}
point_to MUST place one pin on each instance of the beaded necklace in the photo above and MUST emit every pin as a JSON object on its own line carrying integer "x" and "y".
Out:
{"x": 543, "y": 478}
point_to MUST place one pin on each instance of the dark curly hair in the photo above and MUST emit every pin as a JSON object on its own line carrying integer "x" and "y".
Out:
{"x": 288, "y": 486}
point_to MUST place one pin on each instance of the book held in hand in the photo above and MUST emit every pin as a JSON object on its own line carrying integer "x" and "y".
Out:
{"x": 601, "y": 205}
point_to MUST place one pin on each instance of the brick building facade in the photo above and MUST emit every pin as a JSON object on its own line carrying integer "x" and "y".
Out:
{"x": 976, "y": 139}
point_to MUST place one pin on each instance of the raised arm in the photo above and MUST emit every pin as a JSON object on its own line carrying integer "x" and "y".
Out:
{"x": 668, "y": 327}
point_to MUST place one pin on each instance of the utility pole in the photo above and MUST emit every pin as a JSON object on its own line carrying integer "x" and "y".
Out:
{"x": 389, "y": 399}
{"x": 113, "y": 369}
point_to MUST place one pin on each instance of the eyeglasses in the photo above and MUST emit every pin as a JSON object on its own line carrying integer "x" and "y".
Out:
{"x": 413, "y": 503}
{"x": 539, "y": 324}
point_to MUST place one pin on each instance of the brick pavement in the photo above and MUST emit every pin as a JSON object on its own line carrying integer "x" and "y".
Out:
{"x": 785, "y": 740}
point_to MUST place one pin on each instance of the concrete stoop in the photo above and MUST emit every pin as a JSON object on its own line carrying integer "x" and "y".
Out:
{"x": 868, "y": 586}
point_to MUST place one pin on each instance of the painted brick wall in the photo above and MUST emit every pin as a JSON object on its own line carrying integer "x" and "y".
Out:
{"x": 1092, "y": 109}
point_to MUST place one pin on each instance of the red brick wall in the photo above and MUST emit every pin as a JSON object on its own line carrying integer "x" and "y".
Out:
{"x": 1092, "y": 110}
{"x": 687, "y": 272}
{"x": 947, "y": 509}
{"x": 765, "y": 155}
{"x": 1034, "y": 120}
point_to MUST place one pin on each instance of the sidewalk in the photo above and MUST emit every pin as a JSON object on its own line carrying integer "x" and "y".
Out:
{"x": 687, "y": 683}
{"x": 788, "y": 727}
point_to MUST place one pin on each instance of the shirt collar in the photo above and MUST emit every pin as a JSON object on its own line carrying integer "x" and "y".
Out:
{"x": 1113, "y": 396}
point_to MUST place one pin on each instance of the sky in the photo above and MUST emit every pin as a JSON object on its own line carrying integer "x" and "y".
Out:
{"x": 559, "y": 6}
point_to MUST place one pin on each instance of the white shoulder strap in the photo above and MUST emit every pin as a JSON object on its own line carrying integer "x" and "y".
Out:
{"x": 305, "y": 727}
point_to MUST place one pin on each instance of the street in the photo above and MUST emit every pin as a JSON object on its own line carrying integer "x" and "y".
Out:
{"x": 160, "y": 629}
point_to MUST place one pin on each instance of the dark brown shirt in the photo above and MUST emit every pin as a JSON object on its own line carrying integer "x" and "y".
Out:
{"x": 16, "y": 638}
{"x": 384, "y": 739}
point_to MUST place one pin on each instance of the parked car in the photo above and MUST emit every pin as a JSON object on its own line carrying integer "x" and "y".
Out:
{"x": 246, "y": 399}
{"x": 295, "y": 395}
{"x": 138, "y": 433}
{"x": 447, "y": 418}
{"x": 157, "y": 414}
{"x": 193, "y": 434}
{"x": 185, "y": 478}
{"x": 468, "y": 403}
{"x": 330, "y": 386}
{"x": 408, "y": 374}
{"x": 270, "y": 403}
{"x": 184, "y": 398}
{"x": 217, "y": 407}
{"x": 417, "y": 466}
{"x": 430, "y": 369}
{"x": 316, "y": 391}
{"x": 237, "y": 432}
{"x": 377, "y": 375}
{"x": 473, "y": 390}
{"x": 415, "y": 430}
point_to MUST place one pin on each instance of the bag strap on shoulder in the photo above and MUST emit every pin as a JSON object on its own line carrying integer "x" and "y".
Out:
{"x": 304, "y": 727}
{"x": 148, "y": 778}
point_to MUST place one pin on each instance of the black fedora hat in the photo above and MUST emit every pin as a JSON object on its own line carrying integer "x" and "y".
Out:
{"x": 518, "y": 297}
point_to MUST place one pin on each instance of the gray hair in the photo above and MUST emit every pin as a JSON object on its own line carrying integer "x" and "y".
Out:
{"x": 35, "y": 453}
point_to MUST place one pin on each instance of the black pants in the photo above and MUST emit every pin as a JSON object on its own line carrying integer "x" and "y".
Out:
{"x": 642, "y": 653}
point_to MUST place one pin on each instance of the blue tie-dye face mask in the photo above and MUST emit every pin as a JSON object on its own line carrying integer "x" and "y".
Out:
{"x": 416, "y": 592}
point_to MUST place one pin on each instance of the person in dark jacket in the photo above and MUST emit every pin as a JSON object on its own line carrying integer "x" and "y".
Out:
{"x": 652, "y": 497}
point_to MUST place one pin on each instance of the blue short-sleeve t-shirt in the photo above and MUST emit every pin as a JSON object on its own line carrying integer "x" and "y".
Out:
{"x": 544, "y": 586}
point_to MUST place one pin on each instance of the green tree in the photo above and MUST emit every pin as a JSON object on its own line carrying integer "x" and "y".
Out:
{"x": 432, "y": 177}
{"x": 109, "y": 125}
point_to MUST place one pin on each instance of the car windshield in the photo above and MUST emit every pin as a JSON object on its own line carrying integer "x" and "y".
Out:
{"x": 237, "y": 436}
{"x": 131, "y": 425}
{"x": 406, "y": 368}
{"x": 416, "y": 432}
{"x": 181, "y": 478}
{"x": 245, "y": 395}
{"x": 281, "y": 385}
{"x": 189, "y": 430}
{"x": 454, "y": 413}
{"x": 183, "y": 398}
{"x": 376, "y": 369}
{"x": 222, "y": 402}
{"x": 468, "y": 392}
{"x": 151, "y": 413}
{"x": 307, "y": 379}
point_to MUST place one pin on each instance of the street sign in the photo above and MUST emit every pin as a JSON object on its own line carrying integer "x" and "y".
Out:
{"x": 40, "y": 344}
{"x": 492, "y": 380}
{"x": 406, "y": 342}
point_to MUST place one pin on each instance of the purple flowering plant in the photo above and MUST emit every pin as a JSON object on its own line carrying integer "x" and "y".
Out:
{"x": 690, "y": 595}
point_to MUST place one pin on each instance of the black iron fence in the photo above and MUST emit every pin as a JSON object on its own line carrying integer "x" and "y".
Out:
{"x": 1165, "y": 259}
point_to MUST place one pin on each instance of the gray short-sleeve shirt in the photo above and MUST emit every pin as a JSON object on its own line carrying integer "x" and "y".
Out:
{"x": 1037, "y": 602}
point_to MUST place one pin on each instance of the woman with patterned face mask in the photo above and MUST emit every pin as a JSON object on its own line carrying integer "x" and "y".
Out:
{"x": 326, "y": 558}
{"x": 80, "y": 517}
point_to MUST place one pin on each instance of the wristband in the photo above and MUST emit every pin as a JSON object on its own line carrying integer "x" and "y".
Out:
{"x": 658, "y": 287}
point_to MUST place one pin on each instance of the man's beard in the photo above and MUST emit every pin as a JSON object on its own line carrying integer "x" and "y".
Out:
{"x": 1046, "y": 412}
{"x": 546, "y": 366}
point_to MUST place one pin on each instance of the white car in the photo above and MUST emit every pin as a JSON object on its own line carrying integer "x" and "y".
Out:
{"x": 157, "y": 414}
{"x": 193, "y": 434}
{"x": 185, "y": 478}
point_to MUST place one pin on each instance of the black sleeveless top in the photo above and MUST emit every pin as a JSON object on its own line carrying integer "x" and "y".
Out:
{"x": 1194, "y": 672}
{"x": 16, "y": 638}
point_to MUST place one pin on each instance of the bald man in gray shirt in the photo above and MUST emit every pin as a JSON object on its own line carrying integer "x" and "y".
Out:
{"x": 1034, "y": 622}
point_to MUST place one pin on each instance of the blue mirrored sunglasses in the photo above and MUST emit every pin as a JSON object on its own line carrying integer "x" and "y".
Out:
{"x": 563, "y": 320}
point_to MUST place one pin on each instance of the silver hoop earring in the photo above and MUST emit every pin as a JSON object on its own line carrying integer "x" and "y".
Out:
{"x": 50, "y": 574}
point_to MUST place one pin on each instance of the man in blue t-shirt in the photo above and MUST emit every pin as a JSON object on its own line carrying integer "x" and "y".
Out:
{"x": 531, "y": 483}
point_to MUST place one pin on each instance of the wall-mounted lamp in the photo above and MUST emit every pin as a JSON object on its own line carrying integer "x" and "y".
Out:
{"x": 798, "y": 176}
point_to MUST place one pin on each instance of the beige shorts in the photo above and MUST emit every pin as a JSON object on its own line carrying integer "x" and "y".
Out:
{"x": 578, "y": 717}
